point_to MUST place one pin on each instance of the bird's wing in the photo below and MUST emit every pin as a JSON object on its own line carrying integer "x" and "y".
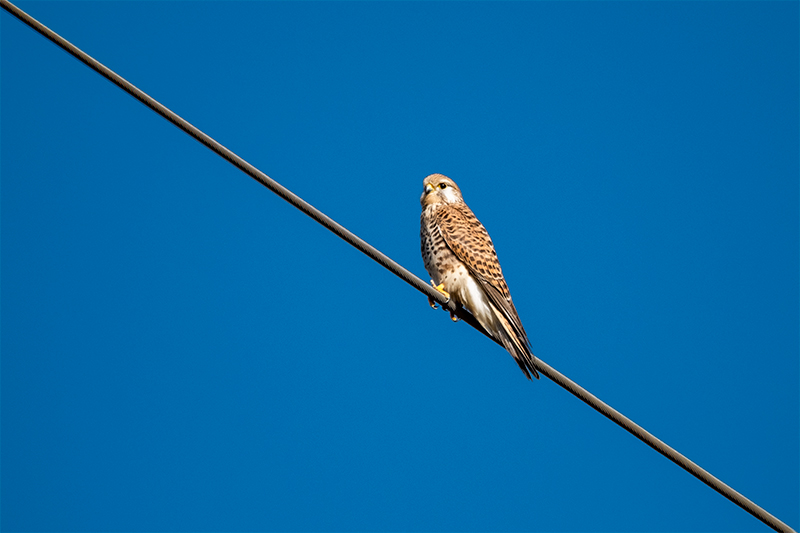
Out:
{"x": 470, "y": 242}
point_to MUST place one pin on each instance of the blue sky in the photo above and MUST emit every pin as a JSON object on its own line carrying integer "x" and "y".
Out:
{"x": 184, "y": 351}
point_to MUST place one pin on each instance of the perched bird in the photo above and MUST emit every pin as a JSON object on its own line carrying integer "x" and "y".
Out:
{"x": 460, "y": 258}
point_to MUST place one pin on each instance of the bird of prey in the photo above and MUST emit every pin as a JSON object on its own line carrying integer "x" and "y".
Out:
{"x": 461, "y": 260}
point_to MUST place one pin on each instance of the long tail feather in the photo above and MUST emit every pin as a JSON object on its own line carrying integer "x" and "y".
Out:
{"x": 516, "y": 346}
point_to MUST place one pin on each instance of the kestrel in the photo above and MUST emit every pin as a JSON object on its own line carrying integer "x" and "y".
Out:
{"x": 461, "y": 260}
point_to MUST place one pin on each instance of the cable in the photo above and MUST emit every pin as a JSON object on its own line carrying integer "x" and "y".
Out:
{"x": 556, "y": 376}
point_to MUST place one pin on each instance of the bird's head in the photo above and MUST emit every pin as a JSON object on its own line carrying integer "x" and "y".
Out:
{"x": 439, "y": 189}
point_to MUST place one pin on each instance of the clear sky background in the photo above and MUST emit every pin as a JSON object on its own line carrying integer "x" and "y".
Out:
{"x": 184, "y": 351}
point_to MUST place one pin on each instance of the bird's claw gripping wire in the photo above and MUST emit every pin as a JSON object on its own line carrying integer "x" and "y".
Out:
{"x": 439, "y": 288}
{"x": 446, "y": 294}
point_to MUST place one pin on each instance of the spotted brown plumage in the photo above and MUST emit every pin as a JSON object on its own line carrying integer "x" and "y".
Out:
{"x": 460, "y": 257}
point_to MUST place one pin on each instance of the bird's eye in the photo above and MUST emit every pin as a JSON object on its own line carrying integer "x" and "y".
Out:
{"x": 442, "y": 185}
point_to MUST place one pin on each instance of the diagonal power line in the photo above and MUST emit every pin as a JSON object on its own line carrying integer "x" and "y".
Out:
{"x": 559, "y": 378}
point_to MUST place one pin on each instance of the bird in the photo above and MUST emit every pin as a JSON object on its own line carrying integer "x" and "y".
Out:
{"x": 461, "y": 260}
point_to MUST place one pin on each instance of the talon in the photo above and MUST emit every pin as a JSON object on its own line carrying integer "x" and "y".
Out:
{"x": 453, "y": 317}
{"x": 432, "y": 303}
{"x": 440, "y": 288}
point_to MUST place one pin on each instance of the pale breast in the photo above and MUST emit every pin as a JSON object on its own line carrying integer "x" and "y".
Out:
{"x": 445, "y": 268}
{"x": 440, "y": 262}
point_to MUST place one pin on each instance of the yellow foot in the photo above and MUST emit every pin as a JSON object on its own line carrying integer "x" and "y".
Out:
{"x": 439, "y": 288}
{"x": 453, "y": 317}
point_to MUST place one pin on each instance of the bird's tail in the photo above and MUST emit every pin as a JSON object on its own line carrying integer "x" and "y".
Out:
{"x": 516, "y": 343}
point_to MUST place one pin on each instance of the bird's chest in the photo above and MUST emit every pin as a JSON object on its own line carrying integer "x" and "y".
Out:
{"x": 440, "y": 261}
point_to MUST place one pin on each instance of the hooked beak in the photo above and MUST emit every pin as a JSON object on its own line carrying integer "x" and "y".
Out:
{"x": 428, "y": 188}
